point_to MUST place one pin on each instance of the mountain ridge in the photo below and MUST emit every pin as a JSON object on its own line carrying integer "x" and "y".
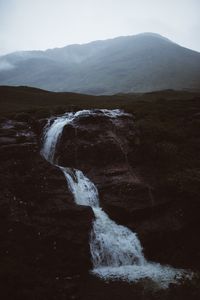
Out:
{"x": 139, "y": 63}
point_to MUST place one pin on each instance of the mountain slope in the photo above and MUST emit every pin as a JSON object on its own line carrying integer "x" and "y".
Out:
{"x": 140, "y": 63}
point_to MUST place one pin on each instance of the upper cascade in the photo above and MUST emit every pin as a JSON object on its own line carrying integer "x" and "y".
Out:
{"x": 54, "y": 128}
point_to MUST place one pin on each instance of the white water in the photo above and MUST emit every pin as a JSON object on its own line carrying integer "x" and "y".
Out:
{"x": 53, "y": 131}
{"x": 116, "y": 251}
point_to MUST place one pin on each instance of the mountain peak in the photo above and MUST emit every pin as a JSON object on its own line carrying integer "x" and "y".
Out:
{"x": 137, "y": 63}
{"x": 154, "y": 35}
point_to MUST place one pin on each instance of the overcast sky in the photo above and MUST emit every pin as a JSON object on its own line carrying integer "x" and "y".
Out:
{"x": 42, "y": 24}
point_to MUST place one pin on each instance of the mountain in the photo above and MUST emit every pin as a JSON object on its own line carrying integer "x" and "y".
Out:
{"x": 139, "y": 63}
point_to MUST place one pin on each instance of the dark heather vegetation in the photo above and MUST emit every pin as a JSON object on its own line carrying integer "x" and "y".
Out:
{"x": 44, "y": 235}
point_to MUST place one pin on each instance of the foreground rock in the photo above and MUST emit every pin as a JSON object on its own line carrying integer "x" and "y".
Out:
{"x": 44, "y": 235}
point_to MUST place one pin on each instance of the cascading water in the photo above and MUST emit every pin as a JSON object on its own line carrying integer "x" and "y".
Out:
{"x": 111, "y": 244}
{"x": 116, "y": 251}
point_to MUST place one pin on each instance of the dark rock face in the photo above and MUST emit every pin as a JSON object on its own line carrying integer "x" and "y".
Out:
{"x": 95, "y": 141}
{"x": 44, "y": 235}
{"x": 106, "y": 150}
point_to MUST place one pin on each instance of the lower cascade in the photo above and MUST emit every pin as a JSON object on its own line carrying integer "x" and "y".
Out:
{"x": 115, "y": 250}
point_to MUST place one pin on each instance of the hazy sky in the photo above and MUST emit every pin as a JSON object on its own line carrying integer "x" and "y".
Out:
{"x": 42, "y": 24}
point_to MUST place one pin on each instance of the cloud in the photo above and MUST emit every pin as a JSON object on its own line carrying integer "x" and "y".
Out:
{"x": 42, "y": 24}
{"x": 6, "y": 65}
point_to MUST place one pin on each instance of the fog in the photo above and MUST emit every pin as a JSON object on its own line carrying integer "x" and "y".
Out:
{"x": 42, "y": 24}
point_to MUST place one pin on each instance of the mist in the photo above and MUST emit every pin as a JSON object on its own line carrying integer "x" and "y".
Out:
{"x": 5, "y": 65}
{"x": 42, "y": 24}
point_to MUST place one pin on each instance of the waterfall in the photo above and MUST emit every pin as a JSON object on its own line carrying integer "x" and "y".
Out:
{"x": 110, "y": 244}
{"x": 115, "y": 250}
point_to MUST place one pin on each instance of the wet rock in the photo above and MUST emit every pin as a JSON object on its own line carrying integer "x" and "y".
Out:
{"x": 44, "y": 235}
{"x": 99, "y": 145}
{"x": 7, "y": 140}
{"x": 107, "y": 150}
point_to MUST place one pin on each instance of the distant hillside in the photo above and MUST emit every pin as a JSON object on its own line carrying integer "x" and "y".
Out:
{"x": 139, "y": 63}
